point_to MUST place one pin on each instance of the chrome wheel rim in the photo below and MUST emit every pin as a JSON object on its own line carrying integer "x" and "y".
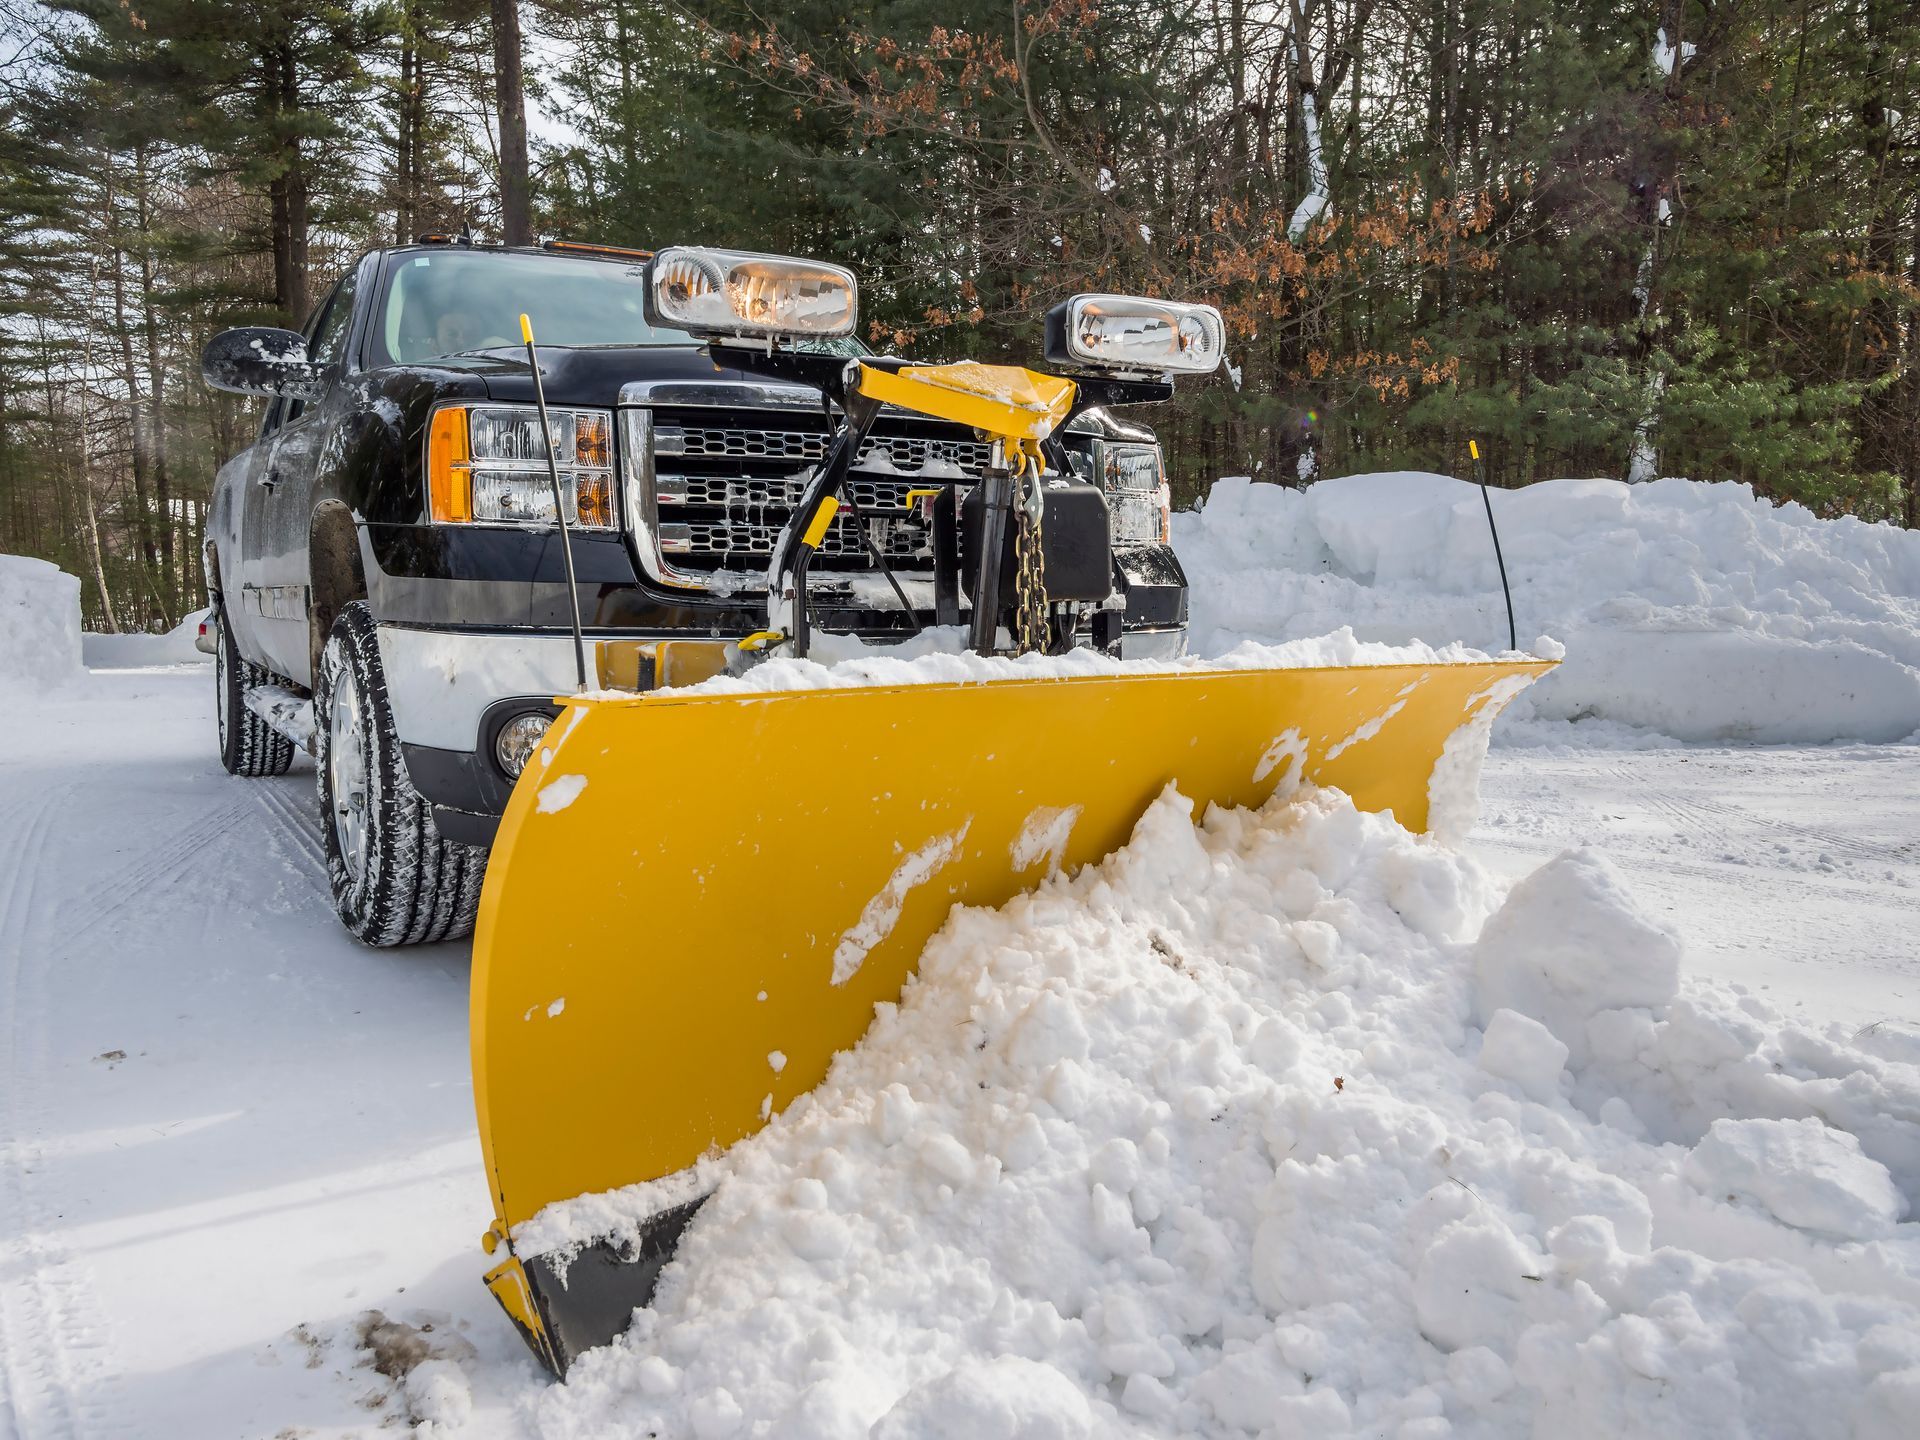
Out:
{"x": 347, "y": 777}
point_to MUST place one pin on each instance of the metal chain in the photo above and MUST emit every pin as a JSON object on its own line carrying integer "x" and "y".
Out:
{"x": 1030, "y": 581}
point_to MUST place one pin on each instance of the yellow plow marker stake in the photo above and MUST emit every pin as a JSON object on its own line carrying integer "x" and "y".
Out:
{"x": 682, "y": 854}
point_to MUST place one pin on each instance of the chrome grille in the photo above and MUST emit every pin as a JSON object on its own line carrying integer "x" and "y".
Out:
{"x": 734, "y": 538}
{"x": 910, "y": 453}
{"x": 722, "y": 493}
{"x": 871, "y": 494}
{"x": 742, "y": 444}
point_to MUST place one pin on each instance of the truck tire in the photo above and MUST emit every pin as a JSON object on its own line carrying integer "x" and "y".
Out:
{"x": 248, "y": 746}
{"x": 395, "y": 880}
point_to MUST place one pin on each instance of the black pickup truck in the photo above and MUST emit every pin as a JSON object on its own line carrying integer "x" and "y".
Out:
{"x": 411, "y": 631}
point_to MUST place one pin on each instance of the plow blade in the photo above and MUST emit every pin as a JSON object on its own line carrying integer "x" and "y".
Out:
{"x": 698, "y": 899}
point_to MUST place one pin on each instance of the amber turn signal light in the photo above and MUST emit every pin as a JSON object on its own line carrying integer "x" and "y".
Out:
{"x": 449, "y": 466}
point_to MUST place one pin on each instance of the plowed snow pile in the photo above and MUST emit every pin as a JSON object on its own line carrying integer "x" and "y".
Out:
{"x": 175, "y": 647}
{"x": 1693, "y": 610}
{"x": 39, "y": 625}
{"x": 1287, "y": 1124}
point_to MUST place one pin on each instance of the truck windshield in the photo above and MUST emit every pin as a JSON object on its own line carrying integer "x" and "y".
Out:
{"x": 449, "y": 302}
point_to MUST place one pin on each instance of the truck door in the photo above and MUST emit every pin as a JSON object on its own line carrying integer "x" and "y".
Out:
{"x": 249, "y": 607}
{"x": 281, "y": 500}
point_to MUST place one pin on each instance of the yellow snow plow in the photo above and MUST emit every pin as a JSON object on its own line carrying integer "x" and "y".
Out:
{"x": 697, "y": 897}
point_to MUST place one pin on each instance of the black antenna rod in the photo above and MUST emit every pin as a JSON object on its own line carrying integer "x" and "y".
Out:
{"x": 1480, "y": 475}
{"x": 559, "y": 506}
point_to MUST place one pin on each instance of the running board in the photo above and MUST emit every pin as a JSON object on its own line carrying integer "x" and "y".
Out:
{"x": 285, "y": 713}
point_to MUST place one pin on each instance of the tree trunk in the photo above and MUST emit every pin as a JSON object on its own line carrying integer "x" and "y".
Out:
{"x": 139, "y": 456}
{"x": 1643, "y": 454}
{"x": 287, "y": 191}
{"x": 510, "y": 104}
{"x": 90, "y": 533}
{"x": 406, "y": 134}
{"x": 173, "y": 582}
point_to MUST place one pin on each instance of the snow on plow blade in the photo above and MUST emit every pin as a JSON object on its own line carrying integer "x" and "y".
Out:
{"x": 699, "y": 898}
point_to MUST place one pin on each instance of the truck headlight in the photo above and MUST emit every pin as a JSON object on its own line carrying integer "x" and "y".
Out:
{"x": 1138, "y": 498}
{"x": 1137, "y": 335}
{"x": 734, "y": 292}
{"x": 486, "y": 464}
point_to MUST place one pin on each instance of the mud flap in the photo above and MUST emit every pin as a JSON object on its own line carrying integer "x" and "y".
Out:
{"x": 696, "y": 900}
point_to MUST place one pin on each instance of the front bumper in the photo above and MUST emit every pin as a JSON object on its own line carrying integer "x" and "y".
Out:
{"x": 450, "y": 691}
{"x": 451, "y": 688}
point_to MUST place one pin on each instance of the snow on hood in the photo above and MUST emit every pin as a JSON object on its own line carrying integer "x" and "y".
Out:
{"x": 1287, "y": 1123}
{"x": 1696, "y": 611}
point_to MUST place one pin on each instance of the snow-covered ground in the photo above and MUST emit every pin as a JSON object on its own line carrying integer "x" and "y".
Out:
{"x": 1288, "y": 1121}
{"x": 229, "y": 1135}
{"x": 233, "y": 1137}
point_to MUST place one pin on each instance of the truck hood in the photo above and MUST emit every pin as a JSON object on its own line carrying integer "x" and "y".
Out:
{"x": 597, "y": 375}
{"x": 591, "y": 375}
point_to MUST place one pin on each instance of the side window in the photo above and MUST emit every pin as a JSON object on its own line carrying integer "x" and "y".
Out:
{"x": 331, "y": 338}
{"x": 327, "y": 339}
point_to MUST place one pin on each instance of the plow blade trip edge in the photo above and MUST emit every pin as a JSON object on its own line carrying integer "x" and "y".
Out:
{"x": 698, "y": 899}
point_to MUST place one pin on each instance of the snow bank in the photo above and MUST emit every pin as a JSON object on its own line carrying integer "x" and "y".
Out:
{"x": 39, "y": 625}
{"x": 1286, "y": 1123}
{"x": 1695, "y": 610}
{"x": 125, "y": 652}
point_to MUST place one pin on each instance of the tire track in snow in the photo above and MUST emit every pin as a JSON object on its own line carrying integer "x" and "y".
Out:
{"x": 1730, "y": 824}
{"x": 1807, "y": 835}
{"x": 58, "y": 1379}
{"x": 295, "y": 829}
{"x": 108, "y": 898}
{"x": 1840, "y": 888}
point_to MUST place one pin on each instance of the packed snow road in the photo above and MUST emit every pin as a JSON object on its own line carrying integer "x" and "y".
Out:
{"x": 237, "y": 1153}
{"x": 229, "y": 1131}
{"x": 1788, "y": 869}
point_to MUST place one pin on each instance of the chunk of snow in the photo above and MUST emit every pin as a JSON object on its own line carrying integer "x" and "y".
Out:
{"x": 439, "y": 1400}
{"x": 1007, "y": 1395}
{"x": 1470, "y": 1285}
{"x": 1802, "y": 1172}
{"x": 1570, "y": 942}
{"x": 286, "y": 713}
{"x": 1522, "y": 1050}
{"x": 558, "y": 793}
